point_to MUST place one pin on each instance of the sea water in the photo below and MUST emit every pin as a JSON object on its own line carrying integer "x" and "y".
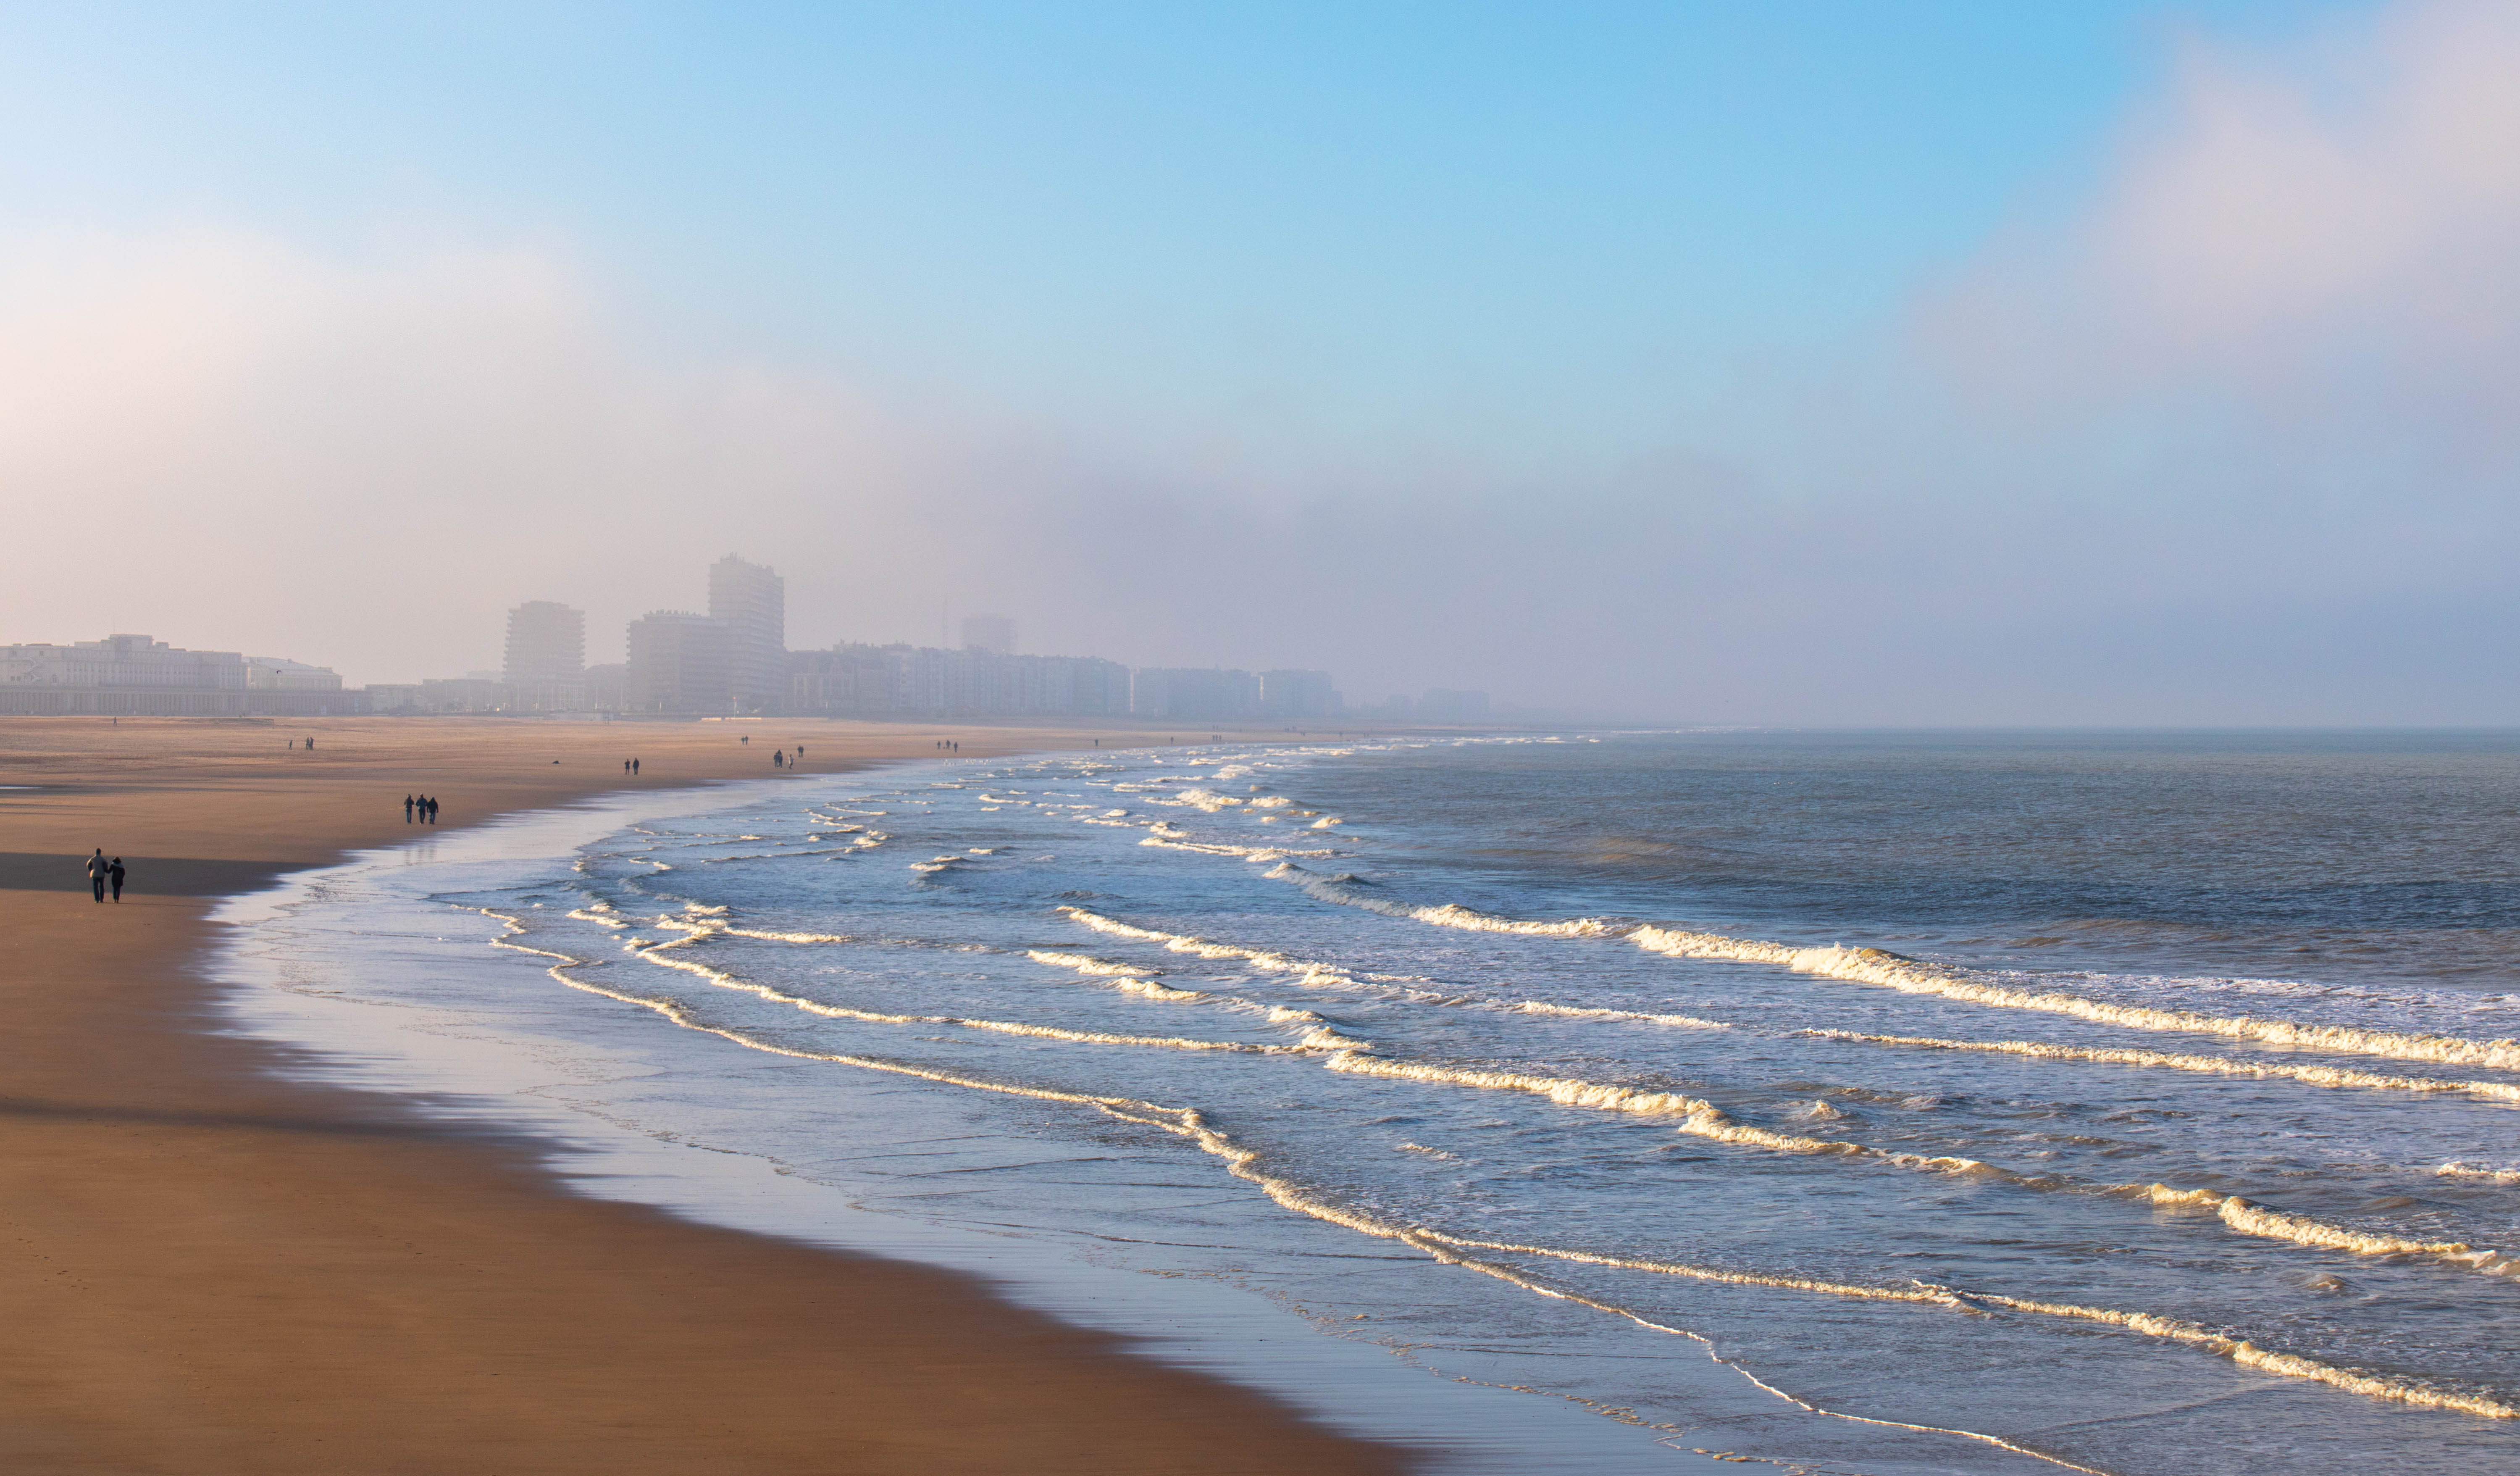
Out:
{"x": 1870, "y": 1103}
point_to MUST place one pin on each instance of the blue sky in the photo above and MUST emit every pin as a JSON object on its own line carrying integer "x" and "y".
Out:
{"x": 1445, "y": 339}
{"x": 1536, "y": 227}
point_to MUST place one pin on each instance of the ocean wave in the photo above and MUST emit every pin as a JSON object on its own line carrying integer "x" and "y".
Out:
{"x": 2316, "y": 1076}
{"x": 1348, "y": 892}
{"x": 1877, "y": 966}
{"x": 1885, "y": 969}
{"x": 695, "y": 931}
{"x": 1699, "y": 1118}
{"x": 1245, "y": 1163}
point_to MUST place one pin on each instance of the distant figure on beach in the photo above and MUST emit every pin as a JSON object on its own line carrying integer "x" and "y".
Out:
{"x": 116, "y": 874}
{"x": 778, "y": 757}
{"x": 407, "y": 803}
{"x": 746, "y": 738}
{"x": 97, "y": 871}
{"x": 800, "y": 751}
{"x": 634, "y": 769}
{"x": 310, "y": 744}
{"x": 432, "y": 810}
{"x": 625, "y": 765}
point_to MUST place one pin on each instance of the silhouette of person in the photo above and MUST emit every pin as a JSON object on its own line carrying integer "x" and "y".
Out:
{"x": 625, "y": 765}
{"x": 97, "y": 871}
{"x": 634, "y": 769}
{"x": 778, "y": 757}
{"x": 310, "y": 744}
{"x": 407, "y": 803}
{"x": 116, "y": 874}
{"x": 746, "y": 738}
{"x": 432, "y": 811}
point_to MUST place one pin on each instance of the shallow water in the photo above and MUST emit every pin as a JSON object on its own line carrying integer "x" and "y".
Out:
{"x": 2154, "y": 1115}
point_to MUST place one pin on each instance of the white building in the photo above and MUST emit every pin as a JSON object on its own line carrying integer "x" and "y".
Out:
{"x": 135, "y": 675}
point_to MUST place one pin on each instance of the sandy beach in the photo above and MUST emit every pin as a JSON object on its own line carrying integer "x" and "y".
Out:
{"x": 213, "y": 1268}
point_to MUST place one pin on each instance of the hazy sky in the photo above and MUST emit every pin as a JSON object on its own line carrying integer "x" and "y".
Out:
{"x": 1816, "y": 363}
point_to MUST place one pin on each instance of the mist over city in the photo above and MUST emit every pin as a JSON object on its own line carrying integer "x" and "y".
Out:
{"x": 1547, "y": 359}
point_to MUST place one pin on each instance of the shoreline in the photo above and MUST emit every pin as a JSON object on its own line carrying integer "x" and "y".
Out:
{"x": 224, "y": 1266}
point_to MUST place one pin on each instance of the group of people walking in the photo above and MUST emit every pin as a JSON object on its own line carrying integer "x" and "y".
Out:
{"x": 101, "y": 873}
{"x": 420, "y": 806}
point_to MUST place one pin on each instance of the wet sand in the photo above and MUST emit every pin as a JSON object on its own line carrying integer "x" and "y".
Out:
{"x": 206, "y": 1267}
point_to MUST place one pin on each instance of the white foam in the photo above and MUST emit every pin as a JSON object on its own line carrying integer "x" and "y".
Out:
{"x": 1699, "y": 1118}
{"x": 695, "y": 931}
{"x": 1346, "y": 892}
{"x": 2457, "y": 1169}
{"x": 1876, "y": 966}
{"x": 2316, "y": 1076}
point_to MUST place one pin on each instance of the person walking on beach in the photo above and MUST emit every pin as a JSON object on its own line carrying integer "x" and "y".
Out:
{"x": 407, "y": 803}
{"x": 432, "y": 812}
{"x": 634, "y": 769}
{"x": 116, "y": 874}
{"x": 97, "y": 871}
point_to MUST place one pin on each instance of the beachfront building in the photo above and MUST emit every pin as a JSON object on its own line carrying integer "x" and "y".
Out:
{"x": 679, "y": 663}
{"x": 852, "y": 680}
{"x": 1193, "y": 692}
{"x": 546, "y": 666}
{"x": 137, "y": 676}
{"x": 751, "y": 604}
{"x": 1290, "y": 695}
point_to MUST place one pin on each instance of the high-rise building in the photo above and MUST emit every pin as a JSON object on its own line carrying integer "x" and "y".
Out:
{"x": 679, "y": 663}
{"x": 1297, "y": 694}
{"x": 752, "y": 603}
{"x": 546, "y": 643}
{"x": 994, "y": 634}
{"x": 1192, "y": 692}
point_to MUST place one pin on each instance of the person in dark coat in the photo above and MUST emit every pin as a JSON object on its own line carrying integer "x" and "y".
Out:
{"x": 117, "y": 873}
{"x": 98, "y": 869}
{"x": 408, "y": 803}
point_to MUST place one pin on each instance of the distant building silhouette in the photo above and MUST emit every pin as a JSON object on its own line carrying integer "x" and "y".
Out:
{"x": 1192, "y": 692}
{"x": 1297, "y": 694}
{"x": 137, "y": 674}
{"x": 1440, "y": 705}
{"x": 546, "y": 669}
{"x": 861, "y": 680}
{"x": 750, "y": 603}
{"x": 679, "y": 663}
{"x": 990, "y": 635}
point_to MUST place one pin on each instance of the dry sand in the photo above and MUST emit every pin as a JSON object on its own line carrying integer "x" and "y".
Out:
{"x": 207, "y": 1267}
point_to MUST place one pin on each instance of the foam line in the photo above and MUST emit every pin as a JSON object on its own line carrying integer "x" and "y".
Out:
{"x": 1699, "y": 1118}
{"x": 1912, "y": 975}
{"x": 1878, "y": 966}
{"x": 1319, "y": 1038}
{"x": 2317, "y": 1076}
{"x": 1345, "y": 892}
{"x": 2471, "y": 1170}
{"x": 1215, "y": 848}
